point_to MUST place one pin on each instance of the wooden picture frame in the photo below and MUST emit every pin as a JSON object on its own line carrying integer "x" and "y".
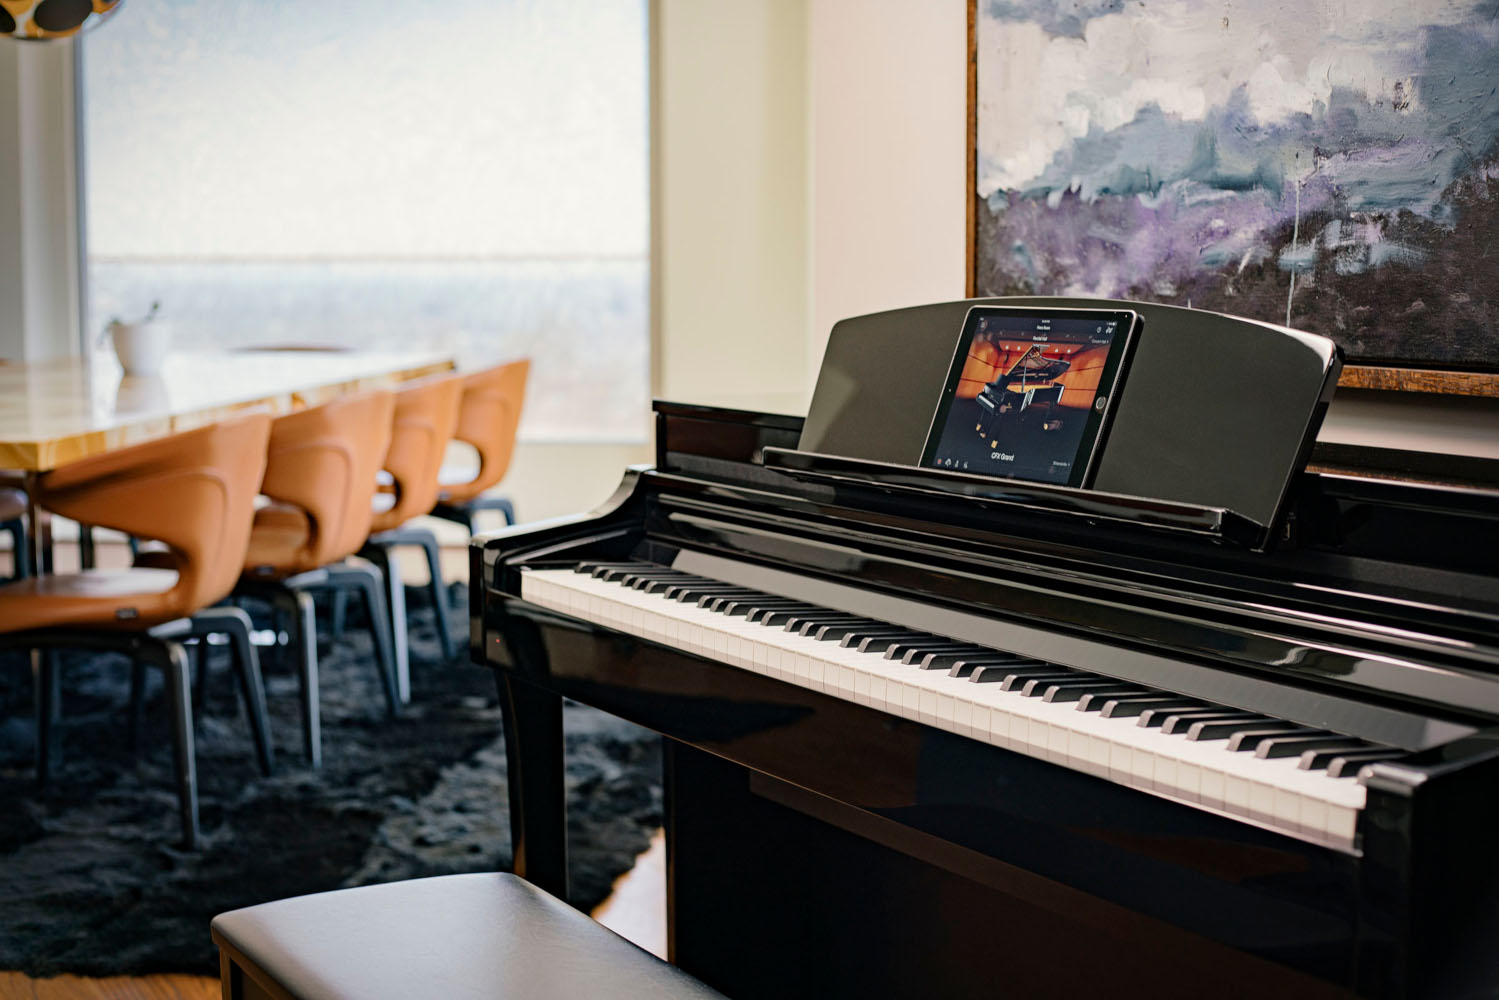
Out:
{"x": 1434, "y": 379}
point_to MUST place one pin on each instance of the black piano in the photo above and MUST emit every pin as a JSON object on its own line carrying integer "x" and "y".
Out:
{"x": 1221, "y": 725}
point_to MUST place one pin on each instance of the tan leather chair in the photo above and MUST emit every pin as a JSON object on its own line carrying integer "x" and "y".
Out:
{"x": 426, "y": 415}
{"x": 320, "y": 476}
{"x": 487, "y": 420}
{"x": 195, "y": 492}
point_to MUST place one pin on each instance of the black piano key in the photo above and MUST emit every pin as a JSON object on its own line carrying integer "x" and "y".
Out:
{"x": 837, "y": 633}
{"x": 760, "y": 610}
{"x": 731, "y": 605}
{"x": 877, "y": 632}
{"x": 880, "y": 643}
{"x": 712, "y": 602}
{"x": 965, "y": 668}
{"x": 600, "y": 568}
{"x": 945, "y": 661}
{"x": 1348, "y": 765}
{"x": 1250, "y": 739}
{"x": 1131, "y": 707}
{"x": 693, "y": 593}
{"x": 809, "y": 625}
{"x": 689, "y": 589}
{"x": 1017, "y": 681}
{"x": 1154, "y": 716}
{"x": 639, "y": 581}
{"x": 918, "y": 653}
{"x": 1094, "y": 701}
{"x": 626, "y": 576}
{"x": 713, "y": 588}
{"x": 612, "y": 574}
{"x": 1063, "y": 693}
{"x": 1180, "y": 723}
{"x": 898, "y": 649}
{"x": 1318, "y": 758}
{"x": 776, "y": 617}
{"x": 1294, "y": 746}
{"x": 1036, "y": 687}
{"x": 661, "y": 585}
{"x": 823, "y": 617}
{"x": 1220, "y": 729}
{"x": 987, "y": 673}
{"x": 741, "y": 606}
{"x": 678, "y": 591}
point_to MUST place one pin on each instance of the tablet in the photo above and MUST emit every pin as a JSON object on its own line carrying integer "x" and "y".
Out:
{"x": 1030, "y": 392}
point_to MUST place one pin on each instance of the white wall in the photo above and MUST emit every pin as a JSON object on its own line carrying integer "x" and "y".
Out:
{"x": 729, "y": 262}
{"x": 887, "y": 111}
{"x": 39, "y": 290}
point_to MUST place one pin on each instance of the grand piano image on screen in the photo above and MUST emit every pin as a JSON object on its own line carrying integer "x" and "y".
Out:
{"x": 1029, "y": 386}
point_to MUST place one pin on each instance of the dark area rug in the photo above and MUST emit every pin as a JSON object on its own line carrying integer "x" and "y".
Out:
{"x": 91, "y": 879}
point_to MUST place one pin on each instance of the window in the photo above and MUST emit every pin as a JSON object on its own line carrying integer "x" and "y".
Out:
{"x": 470, "y": 175}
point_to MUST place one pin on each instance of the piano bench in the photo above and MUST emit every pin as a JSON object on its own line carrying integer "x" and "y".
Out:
{"x": 456, "y": 936}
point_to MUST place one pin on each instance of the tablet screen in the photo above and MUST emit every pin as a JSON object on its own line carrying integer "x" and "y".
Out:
{"x": 1030, "y": 392}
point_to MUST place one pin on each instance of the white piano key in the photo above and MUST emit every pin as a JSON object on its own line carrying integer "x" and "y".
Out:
{"x": 1273, "y": 793}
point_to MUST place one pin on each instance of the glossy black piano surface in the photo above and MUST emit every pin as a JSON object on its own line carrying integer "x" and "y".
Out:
{"x": 825, "y": 842}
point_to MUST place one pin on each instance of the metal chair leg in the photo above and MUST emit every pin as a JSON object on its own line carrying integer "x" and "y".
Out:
{"x": 371, "y": 584}
{"x": 47, "y": 685}
{"x": 395, "y": 603}
{"x": 303, "y": 646}
{"x": 293, "y": 609}
{"x": 85, "y": 546}
{"x": 339, "y": 613}
{"x": 198, "y": 658}
{"x": 234, "y": 623}
{"x": 16, "y": 528}
{"x": 172, "y": 659}
{"x": 137, "y": 708}
{"x": 145, "y": 650}
{"x": 439, "y": 596}
{"x": 43, "y": 532}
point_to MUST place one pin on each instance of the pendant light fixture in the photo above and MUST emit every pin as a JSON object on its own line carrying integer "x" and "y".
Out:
{"x": 36, "y": 20}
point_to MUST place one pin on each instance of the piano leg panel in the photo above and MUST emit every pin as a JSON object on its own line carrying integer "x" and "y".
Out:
{"x": 538, "y": 800}
{"x": 766, "y": 901}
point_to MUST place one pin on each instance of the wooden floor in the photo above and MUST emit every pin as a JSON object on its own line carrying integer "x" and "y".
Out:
{"x": 14, "y": 986}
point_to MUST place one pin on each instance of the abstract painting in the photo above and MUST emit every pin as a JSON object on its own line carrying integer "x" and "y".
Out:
{"x": 1328, "y": 165}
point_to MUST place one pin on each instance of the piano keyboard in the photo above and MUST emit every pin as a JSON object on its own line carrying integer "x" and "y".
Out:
{"x": 1270, "y": 772}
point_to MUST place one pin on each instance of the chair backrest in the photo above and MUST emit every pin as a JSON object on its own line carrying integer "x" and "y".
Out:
{"x": 324, "y": 460}
{"x": 487, "y": 419}
{"x": 194, "y": 491}
{"x": 426, "y": 415}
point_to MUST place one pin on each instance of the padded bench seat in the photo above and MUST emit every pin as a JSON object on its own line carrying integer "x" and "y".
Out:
{"x": 491, "y": 936}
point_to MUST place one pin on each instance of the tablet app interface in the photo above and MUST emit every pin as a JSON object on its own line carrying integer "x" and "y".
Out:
{"x": 1027, "y": 401}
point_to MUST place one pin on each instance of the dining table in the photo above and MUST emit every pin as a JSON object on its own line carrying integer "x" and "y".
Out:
{"x": 57, "y": 411}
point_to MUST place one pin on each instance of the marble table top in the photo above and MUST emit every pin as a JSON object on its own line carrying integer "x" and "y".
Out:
{"x": 55, "y": 412}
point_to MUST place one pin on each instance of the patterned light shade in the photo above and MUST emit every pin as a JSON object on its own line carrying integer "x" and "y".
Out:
{"x": 41, "y": 19}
